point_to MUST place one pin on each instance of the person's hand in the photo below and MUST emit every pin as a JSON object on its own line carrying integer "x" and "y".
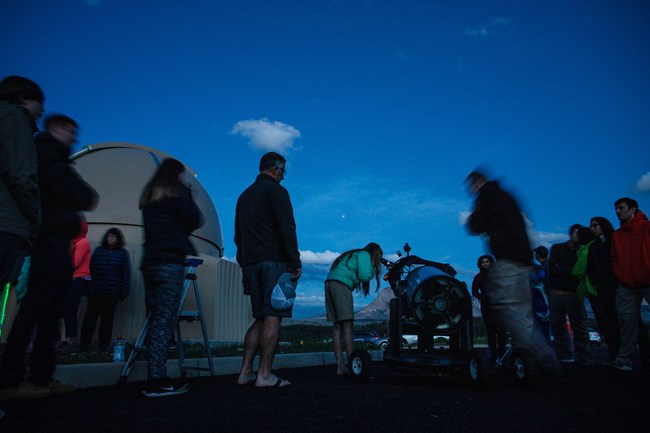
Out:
{"x": 295, "y": 273}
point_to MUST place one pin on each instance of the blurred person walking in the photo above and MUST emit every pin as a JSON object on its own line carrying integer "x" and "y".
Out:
{"x": 63, "y": 194}
{"x": 351, "y": 271}
{"x": 170, "y": 216}
{"x": 267, "y": 247}
{"x": 110, "y": 269}
{"x": 497, "y": 215}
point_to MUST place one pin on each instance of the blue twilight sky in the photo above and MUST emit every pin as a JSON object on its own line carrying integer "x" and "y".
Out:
{"x": 382, "y": 107}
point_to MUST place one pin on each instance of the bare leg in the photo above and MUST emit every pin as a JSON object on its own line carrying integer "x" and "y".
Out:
{"x": 251, "y": 342}
{"x": 340, "y": 331}
{"x": 346, "y": 330}
{"x": 268, "y": 342}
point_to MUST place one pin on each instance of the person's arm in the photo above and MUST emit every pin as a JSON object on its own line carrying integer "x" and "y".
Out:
{"x": 365, "y": 271}
{"x": 283, "y": 211}
{"x": 476, "y": 287}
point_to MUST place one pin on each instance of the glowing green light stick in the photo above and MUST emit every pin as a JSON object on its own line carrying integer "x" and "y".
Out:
{"x": 5, "y": 298}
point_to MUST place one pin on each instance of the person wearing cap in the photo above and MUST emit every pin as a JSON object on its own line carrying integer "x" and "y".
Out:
{"x": 565, "y": 302}
{"x": 497, "y": 215}
{"x": 351, "y": 271}
{"x": 267, "y": 247}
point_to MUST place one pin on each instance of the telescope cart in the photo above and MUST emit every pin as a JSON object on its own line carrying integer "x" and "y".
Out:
{"x": 429, "y": 302}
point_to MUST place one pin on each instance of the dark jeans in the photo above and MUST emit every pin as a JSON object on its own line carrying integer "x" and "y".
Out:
{"x": 496, "y": 335}
{"x": 604, "y": 308}
{"x": 102, "y": 306}
{"x": 79, "y": 288}
{"x": 48, "y": 290}
{"x": 163, "y": 286}
{"x": 12, "y": 253}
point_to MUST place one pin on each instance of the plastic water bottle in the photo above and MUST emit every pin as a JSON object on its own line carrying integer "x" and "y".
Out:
{"x": 118, "y": 350}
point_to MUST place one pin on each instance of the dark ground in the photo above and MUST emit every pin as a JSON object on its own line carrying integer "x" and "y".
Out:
{"x": 582, "y": 399}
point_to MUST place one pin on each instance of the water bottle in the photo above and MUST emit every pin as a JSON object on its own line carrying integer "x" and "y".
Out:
{"x": 118, "y": 350}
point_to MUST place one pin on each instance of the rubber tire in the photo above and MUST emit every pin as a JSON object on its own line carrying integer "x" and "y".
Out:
{"x": 360, "y": 366}
{"x": 526, "y": 369}
{"x": 478, "y": 367}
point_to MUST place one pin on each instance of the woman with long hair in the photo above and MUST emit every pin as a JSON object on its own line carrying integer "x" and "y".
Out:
{"x": 599, "y": 271}
{"x": 110, "y": 272}
{"x": 170, "y": 215}
{"x": 351, "y": 271}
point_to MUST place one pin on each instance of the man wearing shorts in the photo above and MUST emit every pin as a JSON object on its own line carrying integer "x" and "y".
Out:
{"x": 267, "y": 247}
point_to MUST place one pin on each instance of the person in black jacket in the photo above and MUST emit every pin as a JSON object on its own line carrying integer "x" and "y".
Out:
{"x": 497, "y": 215}
{"x": 110, "y": 270}
{"x": 21, "y": 105}
{"x": 496, "y": 336}
{"x": 170, "y": 216}
{"x": 565, "y": 302}
{"x": 63, "y": 194}
{"x": 267, "y": 247}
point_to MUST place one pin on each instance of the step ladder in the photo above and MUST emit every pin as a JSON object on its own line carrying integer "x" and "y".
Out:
{"x": 183, "y": 315}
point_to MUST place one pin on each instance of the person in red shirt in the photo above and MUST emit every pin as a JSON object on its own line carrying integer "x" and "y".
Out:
{"x": 631, "y": 266}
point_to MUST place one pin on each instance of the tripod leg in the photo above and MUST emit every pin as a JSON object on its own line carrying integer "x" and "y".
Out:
{"x": 137, "y": 347}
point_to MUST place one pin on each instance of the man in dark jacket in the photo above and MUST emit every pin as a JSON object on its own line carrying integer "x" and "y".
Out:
{"x": 267, "y": 247}
{"x": 565, "y": 302}
{"x": 21, "y": 105}
{"x": 63, "y": 194}
{"x": 497, "y": 215}
{"x": 631, "y": 266}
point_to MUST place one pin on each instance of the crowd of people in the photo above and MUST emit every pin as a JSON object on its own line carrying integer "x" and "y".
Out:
{"x": 41, "y": 217}
{"x": 542, "y": 302}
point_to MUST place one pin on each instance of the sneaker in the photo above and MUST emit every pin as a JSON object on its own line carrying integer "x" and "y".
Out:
{"x": 620, "y": 365}
{"x": 25, "y": 391}
{"x": 163, "y": 387}
{"x": 60, "y": 388}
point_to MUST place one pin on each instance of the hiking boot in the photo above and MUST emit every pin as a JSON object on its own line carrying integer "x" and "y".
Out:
{"x": 25, "y": 391}
{"x": 620, "y": 365}
{"x": 60, "y": 388}
{"x": 164, "y": 387}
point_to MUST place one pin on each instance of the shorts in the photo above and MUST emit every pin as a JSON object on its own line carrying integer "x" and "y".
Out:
{"x": 259, "y": 279}
{"x": 338, "y": 301}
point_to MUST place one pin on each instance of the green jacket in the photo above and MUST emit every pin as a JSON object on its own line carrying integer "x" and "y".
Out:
{"x": 20, "y": 206}
{"x": 585, "y": 287}
{"x": 353, "y": 270}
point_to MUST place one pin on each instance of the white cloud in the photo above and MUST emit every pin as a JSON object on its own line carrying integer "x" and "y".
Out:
{"x": 643, "y": 183}
{"x": 263, "y": 134}
{"x": 327, "y": 257}
{"x": 483, "y": 31}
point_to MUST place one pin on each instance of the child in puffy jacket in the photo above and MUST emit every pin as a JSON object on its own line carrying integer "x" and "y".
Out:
{"x": 110, "y": 270}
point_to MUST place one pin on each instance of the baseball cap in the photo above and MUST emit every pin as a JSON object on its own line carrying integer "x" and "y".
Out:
{"x": 284, "y": 292}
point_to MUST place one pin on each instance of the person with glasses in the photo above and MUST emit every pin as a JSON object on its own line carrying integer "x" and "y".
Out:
{"x": 267, "y": 247}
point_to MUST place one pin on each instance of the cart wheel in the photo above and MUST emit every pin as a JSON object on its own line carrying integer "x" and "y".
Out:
{"x": 478, "y": 367}
{"x": 360, "y": 365}
{"x": 526, "y": 369}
